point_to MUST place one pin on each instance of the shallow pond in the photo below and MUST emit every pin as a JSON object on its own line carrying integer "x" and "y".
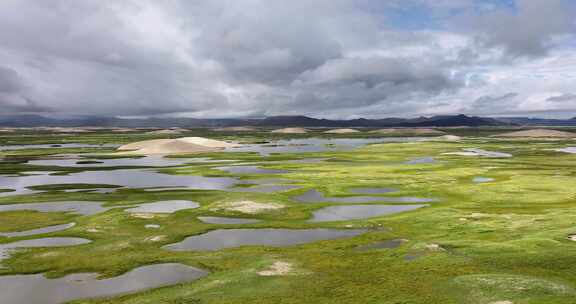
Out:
{"x": 227, "y": 238}
{"x": 354, "y": 212}
{"x": 148, "y": 161}
{"x": 388, "y": 244}
{"x": 5, "y": 249}
{"x": 43, "y": 230}
{"x": 36, "y": 289}
{"x": 308, "y": 160}
{"x": 480, "y": 179}
{"x": 80, "y": 207}
{"x": 164, "y": 207}
{"x": 55, "y": 145}
{"x": 372, "y": 190}
{"x": 226, "y": 220}
{"x": 125, "y": 178}
{"x": 485, "y": 153}
{"x": 423, "y": 160}
{"x": 314, "y": 196}
{"x": 571, "y": 150}
{"x": 250, "y": 170}
{"x": 266, "y": 188}
{"x": 317, "y": 144}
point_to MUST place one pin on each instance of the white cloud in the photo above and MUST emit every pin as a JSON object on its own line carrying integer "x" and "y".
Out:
{"x": 338, "y": 58}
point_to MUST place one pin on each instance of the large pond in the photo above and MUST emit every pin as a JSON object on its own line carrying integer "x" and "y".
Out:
{"x": 37, "y": 289}
{"x": 80, "y": 207}
{"x": 147, "y": 161}
{"x": 317, "y": 144}
{"x": 227, "y": 238}
{"x": 125, "y": 178}
{"x": 46, "y": 146}
{"x": 43, "y": 230}
{"x": 372, "y": 190}
{"x": 315, "y": 196}
{"x": 250, "y": 170}
{"x": 354, "y": 212}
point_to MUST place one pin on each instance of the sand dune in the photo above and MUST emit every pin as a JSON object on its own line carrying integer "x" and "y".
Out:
{"x": 165, "y": 132}
{"x": 342, "y": 131}
{"x": 539, "y": 133}
{"x": 175, "y": 146}
{"x": 290, "y": 131}
{"x": 207, "y": 142}
{"x": 409, "y": 131}
{"x": 123, "y": 130}
{"x": 448, "y": 138}
{"x": 235, "y": 129}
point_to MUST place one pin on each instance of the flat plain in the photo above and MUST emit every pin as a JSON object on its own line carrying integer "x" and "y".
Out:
{"x": 237, "y": 225}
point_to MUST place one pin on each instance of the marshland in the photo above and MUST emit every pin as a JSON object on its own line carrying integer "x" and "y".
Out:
{"x": 315, "y": 217}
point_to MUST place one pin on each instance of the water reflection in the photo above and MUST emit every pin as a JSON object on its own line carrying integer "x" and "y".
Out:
{"x": 80, "y": 207}
{"x": 422, "y": 160}
{"x": 226, "y": 238}
{"x": 314, "y": 196}
{"x": 250, "y": 170}
{"x": 43, "y": 230}
{"x": 480, "y": 179}
{"x": 317, "y": 145}
{"x": 37, "y": 289}
{"x": 147, "y": 161}
{"x": 47, "y": 146}
{"x": 353, "y": 212}
{"x": 125, "y": 178}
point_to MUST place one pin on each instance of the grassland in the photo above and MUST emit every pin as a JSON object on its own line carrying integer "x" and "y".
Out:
{"x": 478, "y": 243}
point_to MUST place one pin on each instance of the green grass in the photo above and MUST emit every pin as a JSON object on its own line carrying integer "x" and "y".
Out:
{"x": 11, "y": 221}
{"x": 479, "y": 243}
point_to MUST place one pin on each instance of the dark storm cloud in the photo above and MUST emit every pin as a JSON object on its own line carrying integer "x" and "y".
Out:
{"x": 13, "y": 97}
{"x": 486, "y": 103}
{"x": 10, "y": 81}
{"x": 360, "y": 82}
{"x": 266, "y": 57}
{"x": 568, "y": 97}
{"x": 529, "y": 28}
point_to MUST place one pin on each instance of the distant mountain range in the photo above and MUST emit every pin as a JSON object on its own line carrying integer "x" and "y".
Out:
{"x": 538, "y": 121}
{"x": 276, "y": 121}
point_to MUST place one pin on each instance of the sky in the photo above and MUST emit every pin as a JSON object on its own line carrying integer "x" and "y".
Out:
{"x": 338, "y": 59}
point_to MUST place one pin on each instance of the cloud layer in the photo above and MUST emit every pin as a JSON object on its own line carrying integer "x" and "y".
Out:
{"x": 325, "y": 58}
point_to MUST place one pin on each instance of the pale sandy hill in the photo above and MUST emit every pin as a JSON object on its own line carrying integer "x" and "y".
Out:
{"x": 175, "y": 146}
{"x": 123, "y": 130}
{"x": 207, "y": 142}
{"x": 290, "y": 131}
{"x": 63, "y": 130}
{"x": 142, "y": 144}
{"x": 165, "y": 132}
{"x": 539, "y": 133}
{"x": 342, "y": 131}
{"x": 409, "y": 131}
{"x": 449, "y": 138}
{"x": 236, "y": 129}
